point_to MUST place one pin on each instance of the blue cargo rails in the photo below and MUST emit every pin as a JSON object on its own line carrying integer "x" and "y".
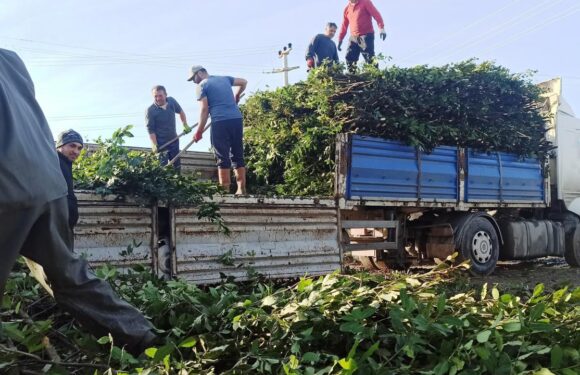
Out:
{"x": 383, "y": 170}
{"x": 400, "y": 205}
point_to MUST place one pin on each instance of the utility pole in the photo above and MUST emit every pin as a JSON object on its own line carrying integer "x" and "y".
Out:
{"x": 283, "y": 54}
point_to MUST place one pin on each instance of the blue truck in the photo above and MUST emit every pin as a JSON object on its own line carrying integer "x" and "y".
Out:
{"x": 400, "y": 205}
{"x": 394, "y": 205}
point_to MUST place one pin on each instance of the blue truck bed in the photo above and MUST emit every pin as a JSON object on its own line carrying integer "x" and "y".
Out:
{"x": 378, "y": 170}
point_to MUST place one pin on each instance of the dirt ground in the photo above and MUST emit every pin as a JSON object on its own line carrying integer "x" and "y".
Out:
{"x": 554, "y": 273}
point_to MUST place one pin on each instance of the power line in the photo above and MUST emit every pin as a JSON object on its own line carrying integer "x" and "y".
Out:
{"x": 102, "y": 61}
{"x": 500, "y": 28}
{"x": 441, "y": 40}
{"x": 219, "y": 52}
{"x": 50, "y": 55}
{"x": 93, "y": 117}
{"x": 56, "y": 58}
{"x": 567, "y": 13}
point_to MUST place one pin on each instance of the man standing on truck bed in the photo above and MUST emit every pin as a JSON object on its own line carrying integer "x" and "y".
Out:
{"x": 322, "y": 49}
{"x": 218, "y": 101}
{"x": 359, "y": 14}
{"x": 161, "y": 125}
{"x": 33, "y": 216}
{"x": 69, "y": 145}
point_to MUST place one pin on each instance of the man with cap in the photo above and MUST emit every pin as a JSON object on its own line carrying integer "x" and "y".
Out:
{"x": 33, "y": 216}
{"x": 160, "y": 120}
{"x": 322, "y": 49}
{"x": 69, "y": 145}
{"x": 359, "y": 15}
{"x": 217, "y": 100}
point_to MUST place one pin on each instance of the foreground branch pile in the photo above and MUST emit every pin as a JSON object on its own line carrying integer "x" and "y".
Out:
{"x": 291, "y": 131}
{"x": 433, "y": 323}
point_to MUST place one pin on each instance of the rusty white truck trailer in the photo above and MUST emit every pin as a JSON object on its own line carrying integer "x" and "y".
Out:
{"x": 393, "y": 206}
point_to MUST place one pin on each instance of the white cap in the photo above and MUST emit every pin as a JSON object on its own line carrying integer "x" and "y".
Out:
{"x": 194, "y": 70}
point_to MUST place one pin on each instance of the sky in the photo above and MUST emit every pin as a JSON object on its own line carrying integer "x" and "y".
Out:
{"x": 94, "y": 62}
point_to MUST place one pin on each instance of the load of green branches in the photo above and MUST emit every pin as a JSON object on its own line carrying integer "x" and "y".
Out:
{"x": 113, "y": 168}
{"x": 431, "y": 323}
{"x": 291, "y": 131}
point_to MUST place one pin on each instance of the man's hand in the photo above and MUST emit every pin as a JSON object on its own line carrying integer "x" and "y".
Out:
{"x": 239, "y": 96}
{"x": 310, "y": 63}
{"x": 154, "y": 148}
{"x": 186, "y": 128}
{"x": 197, "y": 136}
{"x": 383, "y": 34}
{"x": 340, "y": 45}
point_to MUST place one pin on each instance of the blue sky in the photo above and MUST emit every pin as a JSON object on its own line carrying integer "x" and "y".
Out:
{"x": 94, "y": 64}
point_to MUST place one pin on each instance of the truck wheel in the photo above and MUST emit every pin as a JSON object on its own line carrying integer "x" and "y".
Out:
{"x": 480, "y": 245}
{"x": 572, "y": 253}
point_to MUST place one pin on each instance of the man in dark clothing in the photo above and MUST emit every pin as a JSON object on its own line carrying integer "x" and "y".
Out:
{"x": 161, "y": 125}
{"x": 33, "y": 216}
{"x": 359, "y": 14}
{"x": 69, "y": 145}
{"x": 322, "y": 49}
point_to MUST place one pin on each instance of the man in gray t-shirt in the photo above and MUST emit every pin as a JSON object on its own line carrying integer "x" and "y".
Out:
{"x": 34, "y": 216}
{"x": 161, "y": 125}
{"x": 217, "y": 100}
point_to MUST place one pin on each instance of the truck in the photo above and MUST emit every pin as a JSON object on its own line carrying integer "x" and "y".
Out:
{"x": 393, "y": 206}
{"x": 411, "y": 206}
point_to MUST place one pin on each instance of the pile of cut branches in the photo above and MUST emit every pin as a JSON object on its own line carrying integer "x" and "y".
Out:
{"x": 432, "y": 323}
{"x": 291, "y": 131}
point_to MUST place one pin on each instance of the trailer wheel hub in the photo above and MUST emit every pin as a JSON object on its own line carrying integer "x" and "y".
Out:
{"x": 481, "y": 247}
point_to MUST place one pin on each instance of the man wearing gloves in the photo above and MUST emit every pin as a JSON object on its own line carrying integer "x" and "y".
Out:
{"x": 217, "y": 100}
{"x": 358, "y": 14}
{"x": 33, "y": 216}
{"x": 69, "y": 145}
{"x": 322, "y": 49}
{"x": 161, "y": 125}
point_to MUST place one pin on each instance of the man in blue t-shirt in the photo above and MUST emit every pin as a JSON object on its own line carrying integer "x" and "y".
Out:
{"x": 161, "y": 125}
{"x": 218, "y": 101}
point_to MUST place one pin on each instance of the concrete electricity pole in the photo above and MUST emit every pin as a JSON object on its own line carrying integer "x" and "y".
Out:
{"x": 283, "y": 54}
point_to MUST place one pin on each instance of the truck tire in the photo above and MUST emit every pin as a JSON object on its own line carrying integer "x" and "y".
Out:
{"x": 572, "y": 253}
{"x": 480, "y": 245}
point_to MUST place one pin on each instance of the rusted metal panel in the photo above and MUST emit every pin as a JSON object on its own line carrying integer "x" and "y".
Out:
{"x": 199, "y": 164}
{"x": 342, "y": 161}
{"x": 279, "y": 238}
{"x": 108, "y": 226}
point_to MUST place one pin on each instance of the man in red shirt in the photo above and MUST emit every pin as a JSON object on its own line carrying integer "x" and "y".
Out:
{"x": 359, "y": 14}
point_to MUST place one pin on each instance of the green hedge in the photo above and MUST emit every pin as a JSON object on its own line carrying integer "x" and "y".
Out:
{"x": 290, "y": 132}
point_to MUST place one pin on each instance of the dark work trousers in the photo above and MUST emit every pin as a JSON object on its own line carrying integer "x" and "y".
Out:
{"x": 170, "y": 152}
{"x": 42, "y": 234}
{"x": 226, "y": 139}
{"x": 364, "y": 44}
